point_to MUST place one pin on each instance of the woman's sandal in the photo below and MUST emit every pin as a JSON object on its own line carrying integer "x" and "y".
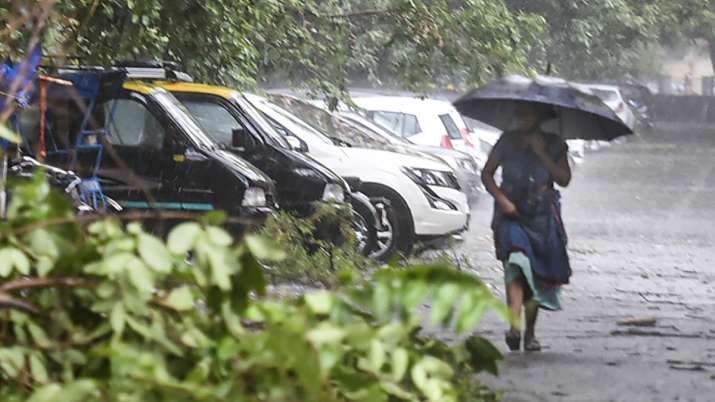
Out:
{"x": 513, "y": 340}
{"x": 531, "y": 344}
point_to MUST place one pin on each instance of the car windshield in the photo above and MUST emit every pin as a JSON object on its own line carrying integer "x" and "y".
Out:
{"x": 288, "y": 121}
{"x": 331, "y": 124}
{"x": 181, "y": 115}
{"x": 265, "y": 127}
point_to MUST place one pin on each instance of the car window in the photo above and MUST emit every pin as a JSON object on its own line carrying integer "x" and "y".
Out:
{"x": 129, "y": 122}
{"x": 451, "y": 127}
{"x": 388, "y": 120}
{"x": 410, "y": 125}
{"x": 216, "y": 121}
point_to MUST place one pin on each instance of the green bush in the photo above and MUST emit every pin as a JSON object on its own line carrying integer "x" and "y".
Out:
{"x": 320, "y": 249}
{"x": 109, "y": 312}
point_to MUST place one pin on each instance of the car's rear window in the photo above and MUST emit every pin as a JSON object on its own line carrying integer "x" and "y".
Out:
{"x": 451, "y": 127}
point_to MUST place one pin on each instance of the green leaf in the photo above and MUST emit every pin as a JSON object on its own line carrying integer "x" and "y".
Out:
{"x": 228, "y": 348}
{"x": 395, "y": 390}
{"x": 47, "y": 393}
{"x": 181, "y": 299}
{"x": 375, "y": 358}
{"x": 182, "y": 238}
{"x": 117, "y": 319}
{"x": 319, "y": 302}
{"x": 399, "y": 362}
{"x": 220, "y": 270}
{"x": 10, "y": 258}
{"x": 7, "y": 134}
{"x": 113, "y": 264}
{"x": 37, "y": 368}
{"x": 325, "y": 333}
{"x": 484, "y": 356}
{"x": 263, "y": 248}
{"x": 219, "y": 236}
{"x": 5, "y": 262}
{"x": 12, "y": 361}
{"x": 38, "y": 334}
{"x": 43, "y": 242}
{"x": 140, "y": 276}
{"x": 154, "y": 253}
{"x": 443, "y": 302}
{"x": 470, "y": 318}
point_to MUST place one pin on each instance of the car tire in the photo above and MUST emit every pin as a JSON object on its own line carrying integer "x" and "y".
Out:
{"x": 395, "y": 234}
{"x": 365, "y": 226}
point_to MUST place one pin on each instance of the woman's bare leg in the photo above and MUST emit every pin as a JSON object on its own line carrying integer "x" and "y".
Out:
{"x": 515, "y": 298}
{"x": 531, "y": 311}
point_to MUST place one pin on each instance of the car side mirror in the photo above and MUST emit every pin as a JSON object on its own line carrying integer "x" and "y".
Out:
{"x": 242, "y": 140}
{"x": 296, "y": 143}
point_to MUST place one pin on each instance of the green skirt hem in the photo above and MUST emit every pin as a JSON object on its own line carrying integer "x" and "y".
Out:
{"x": 548, "y": 297}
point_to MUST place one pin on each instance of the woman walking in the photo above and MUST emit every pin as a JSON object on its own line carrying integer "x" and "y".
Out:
{"x": 529, "y": 236}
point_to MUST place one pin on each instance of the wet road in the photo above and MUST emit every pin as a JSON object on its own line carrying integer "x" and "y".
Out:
{"x": 641, "y": 221}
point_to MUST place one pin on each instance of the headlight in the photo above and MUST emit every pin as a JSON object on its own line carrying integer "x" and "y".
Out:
{"x": 334, "y": 192}
{"x": 429, "y": 177}
{"x": 254, "y": 197}
{"x": 467, "y": 164}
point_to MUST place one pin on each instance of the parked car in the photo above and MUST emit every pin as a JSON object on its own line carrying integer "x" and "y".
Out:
{"x": 418, "y": 199}
{"x": 357, "y": 131}
{"x": 232, "y": 122}
{"x": 484, "y": 135}
{"x": 465, "y": 166}
{"x": 611, "y": 96}
{"x": 146, "y": 151}
{"x": 421, "y": 121}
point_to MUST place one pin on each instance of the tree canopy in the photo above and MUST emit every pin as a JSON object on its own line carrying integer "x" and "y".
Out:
{"x": 328, "y": 45}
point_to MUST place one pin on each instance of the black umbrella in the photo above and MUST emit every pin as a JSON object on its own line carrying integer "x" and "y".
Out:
{"x": 578, "y": 115}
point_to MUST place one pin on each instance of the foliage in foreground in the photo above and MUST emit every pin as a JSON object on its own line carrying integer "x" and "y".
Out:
{"x": 109, "y": 312}
{"x": 320, "y": 248}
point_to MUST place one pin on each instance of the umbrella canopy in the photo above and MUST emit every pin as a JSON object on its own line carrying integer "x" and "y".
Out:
{"x": 578, "y": 115}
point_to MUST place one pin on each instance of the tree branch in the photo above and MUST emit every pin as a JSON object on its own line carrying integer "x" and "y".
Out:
{"x": 35, "y": 283}
{"x": 7, "y": 302}
{"x": 362, "y": 14}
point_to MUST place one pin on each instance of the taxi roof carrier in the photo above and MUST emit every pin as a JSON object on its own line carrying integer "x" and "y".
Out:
{"x": 141, "y": 70}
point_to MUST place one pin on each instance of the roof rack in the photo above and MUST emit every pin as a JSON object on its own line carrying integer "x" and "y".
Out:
{"x": 139, "y": 70}
{"x": 154, "y": 70}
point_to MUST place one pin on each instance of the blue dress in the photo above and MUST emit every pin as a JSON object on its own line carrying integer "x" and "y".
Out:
{"x": 532, "y": 245}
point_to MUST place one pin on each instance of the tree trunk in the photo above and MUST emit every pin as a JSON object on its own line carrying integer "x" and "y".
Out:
{"x": 711, "y": 46}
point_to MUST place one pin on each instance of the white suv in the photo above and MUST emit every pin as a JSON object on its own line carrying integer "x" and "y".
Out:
{"x": 420, "y": 198}
{"x": 421, "y": 121}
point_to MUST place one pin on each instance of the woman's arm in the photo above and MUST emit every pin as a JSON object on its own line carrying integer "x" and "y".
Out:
{"x": 559, "y": 170}
{"x": 490, "y": 168}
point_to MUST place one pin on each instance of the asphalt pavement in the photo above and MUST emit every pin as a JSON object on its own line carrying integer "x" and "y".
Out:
{"x": 641, "y": 222}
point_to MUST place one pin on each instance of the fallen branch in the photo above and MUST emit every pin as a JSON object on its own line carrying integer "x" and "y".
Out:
{"x": 640, "y": 332}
